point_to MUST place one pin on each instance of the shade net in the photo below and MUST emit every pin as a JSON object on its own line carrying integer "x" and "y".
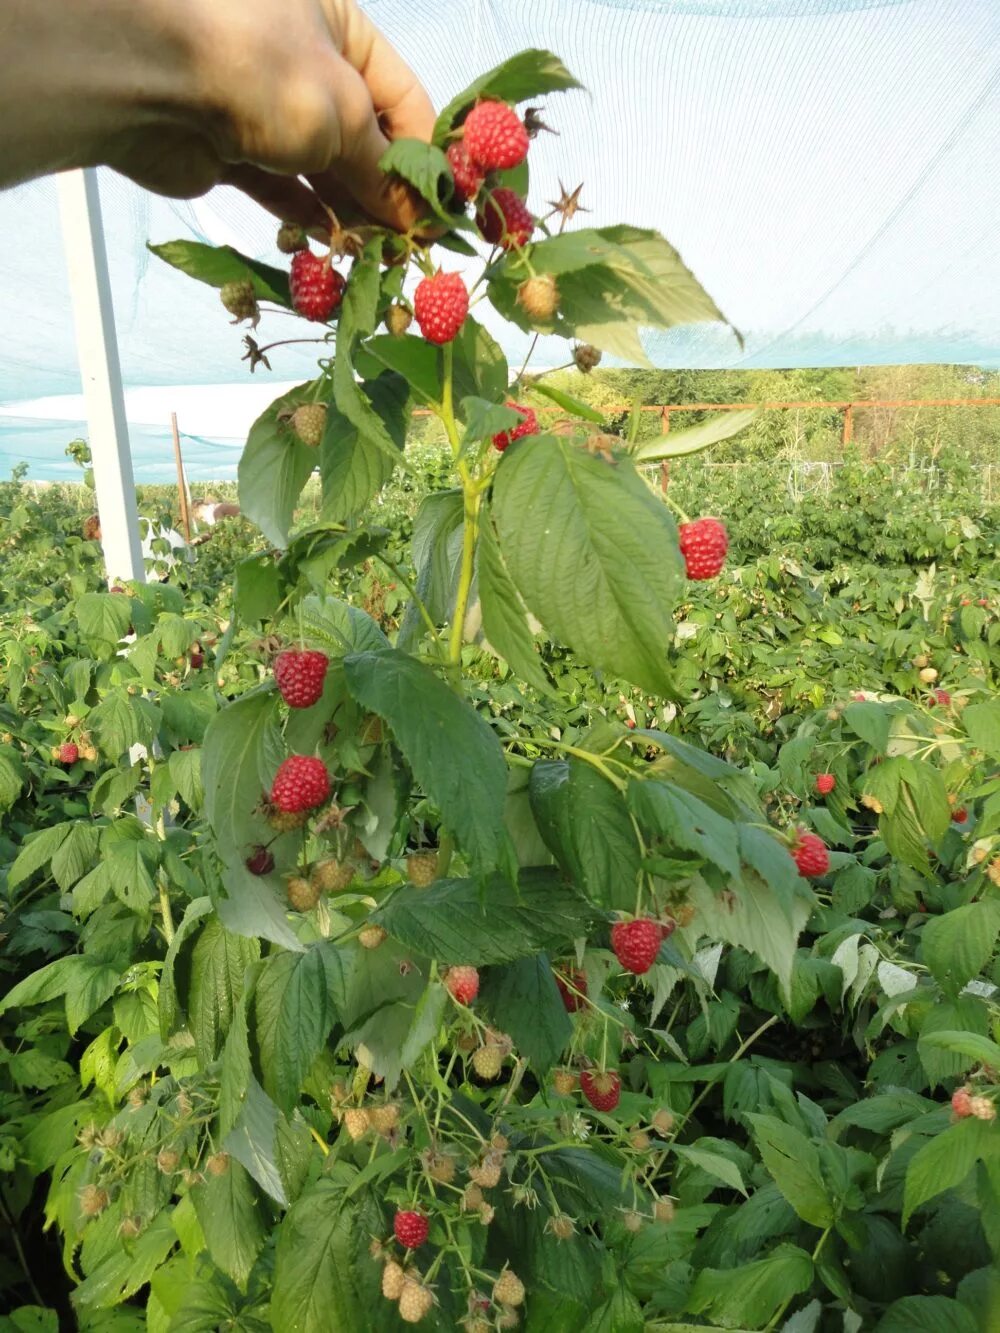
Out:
{"x": 830, "y": 169}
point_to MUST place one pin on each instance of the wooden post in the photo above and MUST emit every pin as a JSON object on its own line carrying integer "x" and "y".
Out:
{"x": 848, "y": 424}
{"x": 181, "y": 486}
{"x": 665, "y": 419}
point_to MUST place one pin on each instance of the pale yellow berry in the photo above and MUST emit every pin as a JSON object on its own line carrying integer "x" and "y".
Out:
{"x": 415, "y": 1302}
{"x": 370, "y": 937}
{"x": 384, "y": 1119}
{"x": 93, "y": 1200}
{"x": 508, "y": 1288}
{"x": 663, "y": 1210}
{"x": 393, "y": 1278}
{"x": 356, "y": 1122}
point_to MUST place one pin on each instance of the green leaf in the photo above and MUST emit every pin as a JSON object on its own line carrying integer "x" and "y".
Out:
{"x": 293, "y": 1003}
{"x": 123, "y": 720}
{"x": 185, "y": 772}
{"x": 793, "y": 1163}
{"x": 593, "y": 554}
{"x": 104, "y": 615}
{"x": 453, "y": 753}
{"x": 353, "y": 468}
{"x": 505, "y": 620}
{"x": 415, "y": 359}
{"x": 481, "y": 369}
{"x": 958, "y": 945}
{"x": 218, "y": 965}
{"x": 612, "y": 281}
{"x": 945, "y": 1160}
{"x": 750, "y": 1295}
{"x": 620, "y": 1313}
{"x": 463, "y": 921}
{"x": 219, "y": 264}
{"x": 258, "y": 588}
{"x": 548, "y": 792}
{"x": 982, "y": 722}
{"x": 38, "y": 851}
{"x": 274, "y": 466}
{"x": 685, "y": 822}
{"x": 232, "y": 771}
{"x": 232, "y": 1220}
{"x": 256, "y": 905}
{"x": 604, "y": 840}
{"x": 522, "y": 999}
{"x": 437, "y": 550}
{"x": 339, "y": 628}
{"x": 484, "y": 419}
{"x": 870, "y": 721}
{"x": 11, "y": 778}
{"x": 74, "y": 855}
{"x": 713, "y": 1163}
{"x": 971, "y": 1044}
{"x": 574, "y": 406}
{"x": 168, "y": 1001}
{"x": 927, "y": 1314}
{"x": 528, "y": 74}
{"x": 680, "y": 443}
{"x": 253, "y": 1138}
{"x": 30, "y": 1319}
{"x": 125, "y": 1269}
{"x": 425, "y": 167}
{"x": 316, "y": 1264}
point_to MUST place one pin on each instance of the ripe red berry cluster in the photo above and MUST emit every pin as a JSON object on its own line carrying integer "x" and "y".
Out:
{"x": 410, "y": 1228}
{"x": 505, "y": 220}
{"x": 440, "y": 305}
{"x": 300, "y": 673}
{"x": 463, "y": 983}
{"x": 69, "y": 752}
{"x": 572, "y": 999}
{"x": 602, "y": 1089}
{"x": 317, "y": 289}
{"x": 825, "y": 783}
{"x": 260, "y": 861}
{"x": 636, "y": 943}
{"x": 527, "y": 426}
{"x": 810, "y": 855}
{"x": 469, "y": 178}
{"x": 494, "y": 137}
{"x": 703, "y": 544}
{"x": 301, "y": 783}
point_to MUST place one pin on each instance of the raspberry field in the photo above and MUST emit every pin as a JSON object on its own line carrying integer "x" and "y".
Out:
{"x": 475, "y": 893}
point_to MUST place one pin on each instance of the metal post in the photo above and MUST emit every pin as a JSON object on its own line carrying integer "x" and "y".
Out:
{"x": 100, "y": 373}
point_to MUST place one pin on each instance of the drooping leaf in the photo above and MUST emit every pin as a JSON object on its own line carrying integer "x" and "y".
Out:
{"x": 219, "y": 264}
{"x": 352, "y": 468}
{"x": 505, "y": 620}
{"x": 232, "y": 772}
{"x": 315, "y": 1265}
{"x": 681, "y": 443}
{"x": 593, "y": 554}
{"x": 794, "y": 1165}
{"x": 294, "y": 1010}
{"x": 958, "y": 945}
{"x": 425, "y": 167}
{"x": 522, "y": 999}
{"x": 218, "y": 964}
{"x": 274, "y": 466}
{"x": 685, "y": 823}
{"x": 754, "y": 917}
{"x": 604, "y": 840}
{"x": 750, "y": 1295}
{"x": 945, "y": 1160}
{"x": 231, "y": 1218}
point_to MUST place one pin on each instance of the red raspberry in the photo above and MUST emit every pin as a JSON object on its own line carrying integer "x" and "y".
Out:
{"x": 504, "y": 219}
{"x": 260, "y": 861}
{"x": 941, "y": 697}
{"x": 961, "y": 1102}
{"x": 810, "y": 855}
{"x": 463, "y": 983}
{"x": 301, "y": 783}
{"x": 960, "y": 815}
{"x": 495, "y": 137}
{"x": 441, "y": 304}
{"x": 529, "y": 426}
{"x": 300, "y": 673}
{"x": 410, "y": 1228}
{"x": 317, "y": 289}
{"x": 468, "y": 177}
{"x": 69, "y": 752}
{"x": 636, "y": 943}
{"x": 602, "y": 1090}
{"x": 825, "y": 783}
{"x": 704, "y": 544}
{"x": 571, "y": 1000}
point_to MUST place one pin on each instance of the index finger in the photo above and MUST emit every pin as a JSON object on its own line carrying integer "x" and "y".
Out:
{"x": 401, "y": 102}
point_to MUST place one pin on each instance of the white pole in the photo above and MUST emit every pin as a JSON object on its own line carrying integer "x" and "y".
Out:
{"x": 97, "y": 352}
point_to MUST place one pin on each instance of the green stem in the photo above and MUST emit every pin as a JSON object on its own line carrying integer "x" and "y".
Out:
{"x": 414, "y": 596}
{"x": 446, "y": 849}
{"x": 471, "y": 500}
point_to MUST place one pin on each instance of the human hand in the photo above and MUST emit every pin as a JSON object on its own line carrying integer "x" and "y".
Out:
{"x": 181, "y": 95}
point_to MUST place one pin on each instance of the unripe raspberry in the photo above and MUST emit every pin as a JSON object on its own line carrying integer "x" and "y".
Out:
{"x": 561, "y": 1226}
{"x": 662, "y": 1121}
{"x": 93, "y": 1200}
{"x": 632, "y": 1221}
{"x": 640, "y": 1140}
{"x": 467, "y": 176}
{"x": 356, "y": 1122}
{"x": 487, "y": 1062}
{"x": 422, "y": 868}
{"x": 494, "y": 136}
{"x": 473, "y": 1198}
{"x": 398, "y": 319}
{"x": 961, "y": 1102}
{"x": 384, "y": 1119}
{"x": 487, "y": 1173}
{"x": 564, "y": 1082}
{"x": 370, "y": 937}
{"x": 664, "y": 1210}
{"x": 415, "y": 1302}
{"x": 167, "y": 1161}
{"x": 928, "y": 674}
{"x": 587, "y": 358}
{"x": 317, "y": 289}
{"x": 539, "y": 297}
{"x": 332, "y": 876}
{"x": 130, "y": 1227}
{"x": 703, "y": 544}
{"x": 291, "y": 238}
{"x": 440, "y": 305}
{"x": 508, "y": 1289}
{"x": 825, "y": 783}
{"x": 439, "y": 1166}
{"x": 392, "y": 1280}
{"x": 508, "y": 1317}
{"x": 217, "y": 1164}
{"x": 505, "y": 219}
{"x": 684, "y": 914}
{"x": 462, "y": 983}
{"x": 240, "y": 300}
{"x": 982, "y": 1108}
{"x": 309, "y": 423}
{"x": 303, "y": 895}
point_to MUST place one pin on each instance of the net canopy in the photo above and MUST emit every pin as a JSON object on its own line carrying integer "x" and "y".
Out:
{"x": 830, "y": 169}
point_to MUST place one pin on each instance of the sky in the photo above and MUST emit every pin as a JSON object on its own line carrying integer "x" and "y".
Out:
{"x": 830, "y": 171}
